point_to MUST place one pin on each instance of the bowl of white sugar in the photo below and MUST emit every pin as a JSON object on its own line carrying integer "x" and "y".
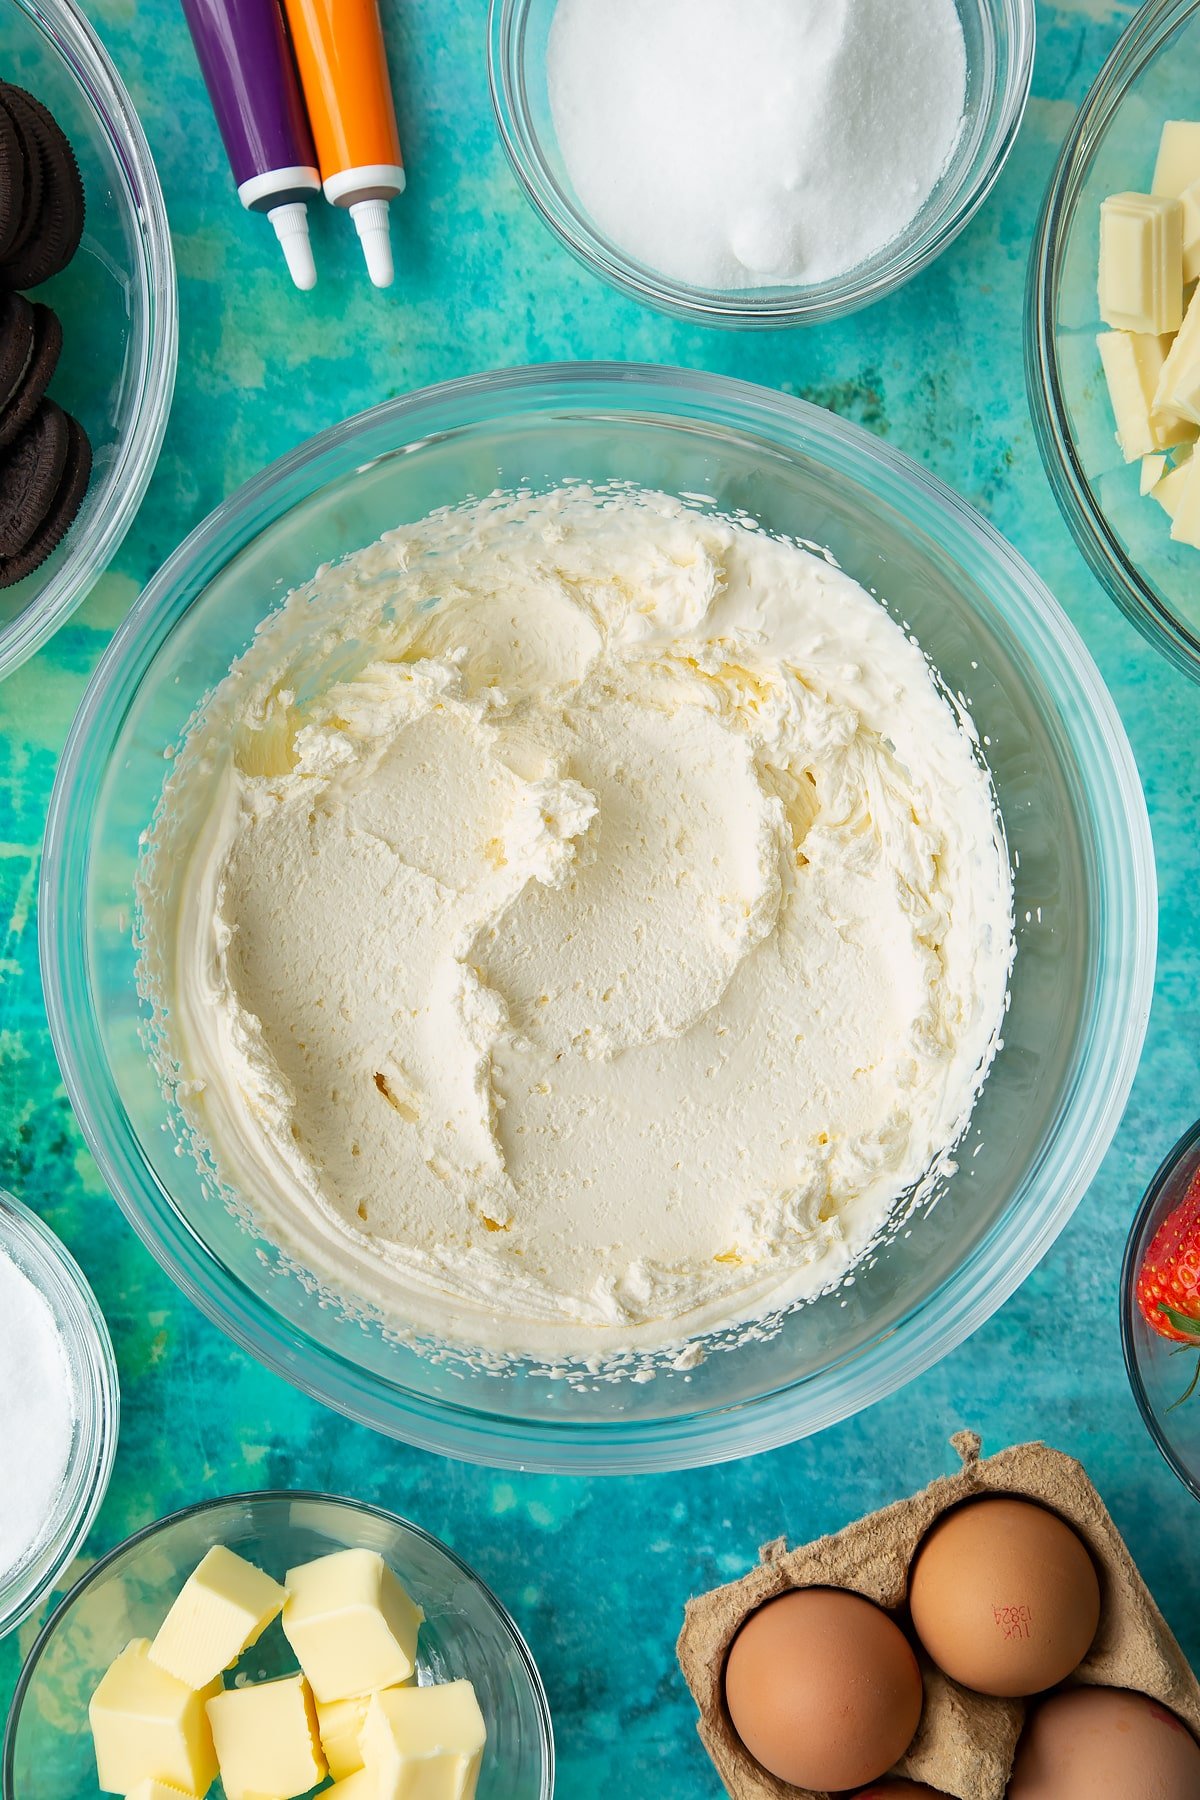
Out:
{"x": 759, "y": 162}
{"x": 59, "y": 1410}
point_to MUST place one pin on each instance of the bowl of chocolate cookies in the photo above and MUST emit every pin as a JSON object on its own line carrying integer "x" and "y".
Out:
{"x": 88, "y": 321}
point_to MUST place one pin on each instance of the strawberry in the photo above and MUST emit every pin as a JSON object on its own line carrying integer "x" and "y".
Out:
{"x": 1168, "y": 1283}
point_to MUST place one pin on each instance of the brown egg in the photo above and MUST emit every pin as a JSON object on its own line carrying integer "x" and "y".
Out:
{"x": 1092, "y": 1742}
{"x": 823, "y": 1689}
{"x": 1004, "y": 1597}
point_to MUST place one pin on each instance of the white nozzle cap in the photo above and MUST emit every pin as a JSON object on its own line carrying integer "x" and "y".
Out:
{"x": 291, "y": 228}
{"x": 371, "y": 220}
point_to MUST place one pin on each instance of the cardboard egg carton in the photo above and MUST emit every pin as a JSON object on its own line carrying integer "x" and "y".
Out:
{"x": 966, "y": 1742}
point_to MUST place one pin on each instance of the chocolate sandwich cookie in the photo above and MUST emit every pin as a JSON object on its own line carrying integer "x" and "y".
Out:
{"x": 30, "y": 472}
{"x": 54, "y": 235}
{"x": 25, "y": 126}
{"x": 39, "y": 368}
{"x": 68, "y": 498}
{"x": 12, "y": 181}
{"x": 17, "y": 338}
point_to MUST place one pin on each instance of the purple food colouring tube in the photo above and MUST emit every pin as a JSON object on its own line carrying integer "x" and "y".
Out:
{"x": 247, "y": 65}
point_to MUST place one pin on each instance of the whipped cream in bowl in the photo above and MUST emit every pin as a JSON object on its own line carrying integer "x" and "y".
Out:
{"x": 600, "y": 897}
{"x": 579, "y": 922}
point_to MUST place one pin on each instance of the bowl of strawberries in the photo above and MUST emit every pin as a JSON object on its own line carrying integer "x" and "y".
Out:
{"x": 1160, "y": 1308}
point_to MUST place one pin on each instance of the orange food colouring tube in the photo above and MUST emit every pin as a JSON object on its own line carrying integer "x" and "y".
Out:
{"x": 343, "y": 70}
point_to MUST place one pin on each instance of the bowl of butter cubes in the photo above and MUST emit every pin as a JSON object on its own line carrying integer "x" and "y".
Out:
{"x": 273, "y": 1645}
{"x": 1113, "y": 328}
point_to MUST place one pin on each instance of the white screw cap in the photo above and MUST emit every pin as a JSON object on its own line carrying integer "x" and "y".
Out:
{"x": 291, "y": 228}
{"x": 371, "y": 221}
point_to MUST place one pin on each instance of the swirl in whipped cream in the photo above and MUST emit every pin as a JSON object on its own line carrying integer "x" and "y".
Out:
{"x": 578, "y": 921}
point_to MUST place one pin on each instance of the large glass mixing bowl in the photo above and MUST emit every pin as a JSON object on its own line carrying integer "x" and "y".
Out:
{"x": 1067, "y": 787}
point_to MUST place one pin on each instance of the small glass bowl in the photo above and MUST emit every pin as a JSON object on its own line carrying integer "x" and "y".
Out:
{"x": 1000, "y": 38}
{"x": 467, "y": 1634}
{"x": 37, "y": 1253}
{"x": 117, "y": 303}
{"x": 1126, "y": 538}
{"x": 1159, "y": 1369}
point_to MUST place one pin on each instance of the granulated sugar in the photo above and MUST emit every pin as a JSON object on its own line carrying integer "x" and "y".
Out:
{"x": 37, "y": 1415}
{"x": 743, "y": 143}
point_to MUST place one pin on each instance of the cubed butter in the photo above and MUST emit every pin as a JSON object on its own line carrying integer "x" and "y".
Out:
{"x": 1133, "y": 366}
{"x": 340, "y": 1723}
{"x": 425, "y": 1743}
{"x": 1141, "y": 263}
{"x": 1178, "y": 165}
{"x": 266, "y": 1739}
{"x": 351, "y": 1624}
{"x": 147, "y": 1726}
{"x": 1185, "y": 521}
{"x": 1178, "y": 390}
{"x": 223, "y": 1608}
{"x": 1153, "y": 470}
{"x": 154, "y": 1790}
{"x": 359, "y": 1786}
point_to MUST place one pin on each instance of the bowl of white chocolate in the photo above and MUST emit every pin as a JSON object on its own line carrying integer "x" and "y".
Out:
{"x": 269, "y": 1644}
{"x": 597, "y": 918}
{"x": 1113, "y": 331}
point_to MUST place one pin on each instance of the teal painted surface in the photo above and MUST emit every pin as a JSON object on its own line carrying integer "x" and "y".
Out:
{"x": 596, "y": 1572}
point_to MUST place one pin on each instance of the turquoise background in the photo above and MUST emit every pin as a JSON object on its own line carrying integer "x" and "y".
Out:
{"x": 596, "y": 1572}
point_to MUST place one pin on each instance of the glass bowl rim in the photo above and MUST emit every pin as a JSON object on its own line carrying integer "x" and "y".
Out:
{"x": 1122, "y": 984}
{"x": 251, "y": 1497}
{"x": 1185, "y": 1146}
{"x": 782, "y": 306}
{"x": 63, "y": 24}
{"x": 1138, "y": 44}
{"x": 77, "y": 1314}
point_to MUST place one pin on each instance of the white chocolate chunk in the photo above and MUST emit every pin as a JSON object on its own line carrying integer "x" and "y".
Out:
{"x": 147, "y": 1726}
{"x": 1185, "y": 523}
{"x": 1190, "y": 201}
{"x": 1177, "y": 176}
{"x": 1141, "y": 263}
{"x": 1152, "y": 365}
{"x": 1133, "y": 366}
{"x": 1178, "y": 390}
{"x": 223, "y": 1608}
{"x": 351, "y": 1624}
{"x": 1169, "y": 491}
{"x": 266, "y": 1740}
{"x": 425, "y": 1743}
{"x": 1178, "y": 164}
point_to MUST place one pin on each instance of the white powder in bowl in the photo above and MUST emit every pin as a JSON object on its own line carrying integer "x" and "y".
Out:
{"x": 37, "y": 1415}
{"x": 748, "y": 143}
